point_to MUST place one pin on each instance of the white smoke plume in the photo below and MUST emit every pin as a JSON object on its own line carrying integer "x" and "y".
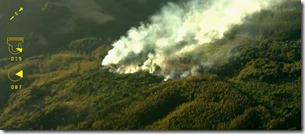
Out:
{"x": 180, "y": 40}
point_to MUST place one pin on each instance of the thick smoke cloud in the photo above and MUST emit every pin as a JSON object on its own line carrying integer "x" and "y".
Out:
{"x": 181, "y": 39}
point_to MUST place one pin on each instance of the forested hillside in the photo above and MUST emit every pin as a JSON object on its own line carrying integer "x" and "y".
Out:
{"x": 258, "y": 89}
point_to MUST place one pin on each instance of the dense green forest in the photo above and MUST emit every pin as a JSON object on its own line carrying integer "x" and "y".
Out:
{"x": 258, "y": 89}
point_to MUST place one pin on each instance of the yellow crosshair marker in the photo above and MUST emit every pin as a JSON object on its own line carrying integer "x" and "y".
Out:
{"x": 16, "y": 13}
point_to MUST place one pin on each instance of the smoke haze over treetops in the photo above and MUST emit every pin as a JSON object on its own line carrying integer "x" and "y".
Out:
{"x": 180, "y": 40}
